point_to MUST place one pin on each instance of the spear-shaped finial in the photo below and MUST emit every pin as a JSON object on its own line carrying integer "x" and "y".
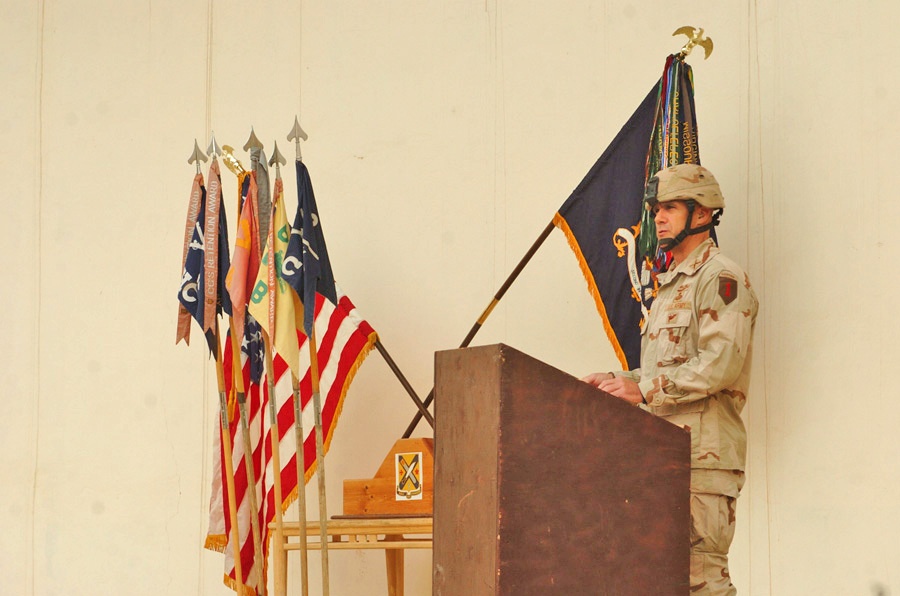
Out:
{"x": 277, "y": 160}
{"x": 197, "y": 156}
{"x": 213, "y": 148}
{"x": 253, "y": 142}
{"x": 295, "y": 135}
{"x": 695, "y": 38}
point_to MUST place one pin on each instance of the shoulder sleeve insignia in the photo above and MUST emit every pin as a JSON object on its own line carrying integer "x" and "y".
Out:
{"x": 728, "y": 288}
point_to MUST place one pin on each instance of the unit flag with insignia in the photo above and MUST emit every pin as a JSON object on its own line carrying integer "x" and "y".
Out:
{"x": 605, "y": 221}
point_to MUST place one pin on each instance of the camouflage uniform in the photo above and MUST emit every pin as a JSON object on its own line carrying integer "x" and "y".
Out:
{"x": 695, "y": 370}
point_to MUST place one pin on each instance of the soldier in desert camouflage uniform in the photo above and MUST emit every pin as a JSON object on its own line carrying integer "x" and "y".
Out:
{"x": 695, "y": 361}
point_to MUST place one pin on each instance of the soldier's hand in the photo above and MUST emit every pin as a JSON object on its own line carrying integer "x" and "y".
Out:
{"x": 596, "y": 378}
{"x": 622, "y": 388}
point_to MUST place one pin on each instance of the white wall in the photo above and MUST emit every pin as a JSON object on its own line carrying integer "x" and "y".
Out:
{"x": 443, "y": 136}
{"x": 20, "y": 296}
{"x": 828, "y": 102}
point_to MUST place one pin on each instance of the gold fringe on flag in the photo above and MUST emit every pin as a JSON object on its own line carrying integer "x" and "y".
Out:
{"x": 560, "y": 222}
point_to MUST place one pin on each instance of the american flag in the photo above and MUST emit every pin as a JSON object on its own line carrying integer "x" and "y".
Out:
{"x": 344, "y": 340}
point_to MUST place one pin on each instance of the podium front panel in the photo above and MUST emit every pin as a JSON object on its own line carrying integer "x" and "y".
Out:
{"x": 545, "y": 485}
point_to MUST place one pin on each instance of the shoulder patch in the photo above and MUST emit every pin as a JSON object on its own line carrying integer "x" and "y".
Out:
{"x": 728, "y": 287}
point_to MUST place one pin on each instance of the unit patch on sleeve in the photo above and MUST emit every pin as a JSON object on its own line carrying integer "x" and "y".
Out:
{"x": 728, "y": 287}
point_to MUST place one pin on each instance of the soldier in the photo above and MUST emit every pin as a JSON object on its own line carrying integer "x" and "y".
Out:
{"x": 695, "y": 360}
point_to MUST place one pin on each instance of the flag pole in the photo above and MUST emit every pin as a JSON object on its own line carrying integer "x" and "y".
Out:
{"x": 320, "y": 455}
{"x": 235, "y": 166}
{"x": 224, "y": 422}
{"x": 300, "y": 462}
{"x": 423, "y": 409}
{"x": 279, "y": 562}
{"x": 487, "y": 312}
{"x": 248, "y": 459}
{"x": 297, "y": 134}
{"x": 225, "y": 426}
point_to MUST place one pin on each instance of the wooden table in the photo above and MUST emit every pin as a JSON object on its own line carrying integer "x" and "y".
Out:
{"x": 392, "y": 533}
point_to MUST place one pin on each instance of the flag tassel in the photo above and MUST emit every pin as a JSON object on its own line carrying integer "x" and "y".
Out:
{"x": 487, "y": 311}
{"x": 595, "y": 293}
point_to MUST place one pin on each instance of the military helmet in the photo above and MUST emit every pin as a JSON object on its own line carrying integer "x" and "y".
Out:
{"x": 687, "y": 181}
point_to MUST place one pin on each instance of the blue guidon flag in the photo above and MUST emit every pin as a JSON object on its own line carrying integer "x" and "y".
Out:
{"x": 602, "y": 217}
{"x": 306, "y": 266}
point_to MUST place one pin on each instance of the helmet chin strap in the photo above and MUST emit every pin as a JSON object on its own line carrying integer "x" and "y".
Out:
{"x": 667, "y": 244}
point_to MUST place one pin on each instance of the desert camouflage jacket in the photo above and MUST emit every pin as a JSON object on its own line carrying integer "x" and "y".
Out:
{"x": 696, "y": 353}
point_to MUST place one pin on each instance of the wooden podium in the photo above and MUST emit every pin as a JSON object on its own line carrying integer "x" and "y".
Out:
{"x": 545, "y": 485}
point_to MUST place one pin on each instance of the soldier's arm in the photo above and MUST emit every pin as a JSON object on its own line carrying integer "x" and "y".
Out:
{"x": 726, "y": 310}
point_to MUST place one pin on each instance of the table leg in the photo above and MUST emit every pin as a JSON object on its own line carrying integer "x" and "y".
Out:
{"x": 394, "y": 559}
{"x": 279, "y": 561}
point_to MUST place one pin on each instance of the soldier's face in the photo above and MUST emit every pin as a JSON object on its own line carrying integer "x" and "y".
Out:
{"x": 670, "y": 218}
